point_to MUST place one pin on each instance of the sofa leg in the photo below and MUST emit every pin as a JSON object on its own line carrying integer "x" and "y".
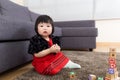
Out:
{"x": 90, "y": 49}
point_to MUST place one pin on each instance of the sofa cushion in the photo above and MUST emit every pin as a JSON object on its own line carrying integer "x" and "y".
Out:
{"x": 11, "y": 9}
{"x": 79, "y": 32}
{"x": 57, "y": 31}
{"x": 78, "y": 23}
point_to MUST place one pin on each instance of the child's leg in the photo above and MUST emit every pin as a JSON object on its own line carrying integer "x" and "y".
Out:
{"x": 71, "y": 64}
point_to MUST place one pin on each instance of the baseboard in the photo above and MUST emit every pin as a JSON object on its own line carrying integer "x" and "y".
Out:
{"x": 108, "y": 44}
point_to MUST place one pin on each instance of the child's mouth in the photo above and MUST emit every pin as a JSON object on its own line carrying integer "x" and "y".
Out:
{"x": 45, "y": 32}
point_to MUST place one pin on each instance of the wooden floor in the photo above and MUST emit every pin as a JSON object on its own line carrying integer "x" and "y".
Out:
{"x": 10, "y": 75}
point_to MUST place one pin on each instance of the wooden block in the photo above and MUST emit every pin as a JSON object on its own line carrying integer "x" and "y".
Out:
{"x": 91, "y": 77}
{"x": 100, "y": 78}
{"x": 111, "y": 71}
{"x": 112, "y": 53}
{"x": 113, "y": 66}
{"x": 72, "y": 75}
{"x": 118, "y": 78}
{"x": 116, "y": 74}
{"x": 106, "y": 78}
{"x": 112, "y": 61}
{"x": 112, "y": 50}
{"x": 111, "y": 76}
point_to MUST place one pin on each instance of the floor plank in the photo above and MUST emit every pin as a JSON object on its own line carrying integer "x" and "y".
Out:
{"x": 11, "y": 74}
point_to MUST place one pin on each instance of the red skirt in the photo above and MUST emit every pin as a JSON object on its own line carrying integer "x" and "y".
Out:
{"x": 50, "y": 64}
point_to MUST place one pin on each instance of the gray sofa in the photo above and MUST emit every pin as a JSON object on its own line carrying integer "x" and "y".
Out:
{"x": 17, "y": 27}
{"x": 78, "y": 34}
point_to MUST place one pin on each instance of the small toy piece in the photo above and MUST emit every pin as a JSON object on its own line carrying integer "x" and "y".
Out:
{"x": 111, "y": 71}
{"x": 91, "y": 77}
{"x": 113, "y": 66}
{"x": 112, "y": 61}
{"x": 112, "y": 53}
{"x": 100, "y": 78}
{"x": 106, "y": 78}
{"x": 72, "y": 75}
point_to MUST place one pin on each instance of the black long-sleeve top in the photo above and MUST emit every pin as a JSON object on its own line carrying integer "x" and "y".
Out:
{"x": 37, "y": 43}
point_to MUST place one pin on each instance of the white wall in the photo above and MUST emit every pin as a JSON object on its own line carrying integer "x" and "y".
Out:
{"x": 107, "y": 9}
{"x": 108, "y": 30}
{"x": 63, "y": 9}
{"x": 76, "y": 9}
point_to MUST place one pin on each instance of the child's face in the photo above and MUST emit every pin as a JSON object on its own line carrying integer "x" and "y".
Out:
{"x": 44, "y": 29}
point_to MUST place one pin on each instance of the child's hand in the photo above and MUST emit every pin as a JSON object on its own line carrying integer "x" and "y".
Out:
{"x": 58, "y": 48}
{"x": 55, "y": 48}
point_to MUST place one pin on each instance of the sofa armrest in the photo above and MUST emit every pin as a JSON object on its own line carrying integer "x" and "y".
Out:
{"x": 11, "y": 29}
{"x": 33, "y": 16}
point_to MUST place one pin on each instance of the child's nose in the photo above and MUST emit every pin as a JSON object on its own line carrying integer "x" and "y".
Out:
{"x": 45, "y": 28}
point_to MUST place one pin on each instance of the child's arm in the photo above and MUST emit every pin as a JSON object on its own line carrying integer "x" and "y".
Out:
{"x": 53, "y": 49}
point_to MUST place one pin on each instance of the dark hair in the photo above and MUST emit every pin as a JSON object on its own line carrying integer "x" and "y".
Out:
{"x": 43, "y": 19}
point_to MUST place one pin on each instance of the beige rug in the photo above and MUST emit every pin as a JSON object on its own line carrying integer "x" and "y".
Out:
{"x": 92, "y": 63}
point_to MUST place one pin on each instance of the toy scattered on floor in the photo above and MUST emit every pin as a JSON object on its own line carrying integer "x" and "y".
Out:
{"x": 92, "y": 77}
{"x": 112, "y": 72}
{"x": 72, "y": 75}
{"x": 100, "y": 78}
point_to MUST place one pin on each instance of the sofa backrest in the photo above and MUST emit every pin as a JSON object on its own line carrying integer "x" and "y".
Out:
{"x": 8, "y": 8}
{"x": 80, "y": 23}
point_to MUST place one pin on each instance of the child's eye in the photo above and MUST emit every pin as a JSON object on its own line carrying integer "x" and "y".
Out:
{"x": 48, "y": 26}
{"x": 41, "y": 26}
